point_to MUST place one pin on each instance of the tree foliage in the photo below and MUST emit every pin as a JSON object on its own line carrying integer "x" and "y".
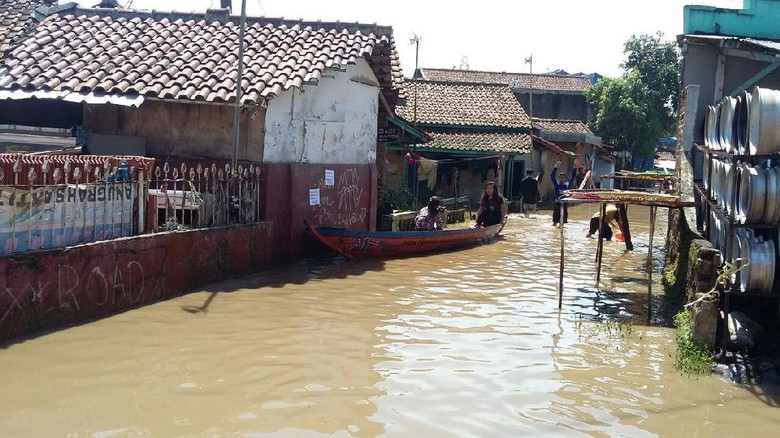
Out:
{"x": 636, "y": 109}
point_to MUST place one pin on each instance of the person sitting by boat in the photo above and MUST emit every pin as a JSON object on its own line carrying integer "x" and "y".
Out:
{"x": 430, "y": 217}
{"x": 610, "y": 222}
{"x": 492, "y": 208}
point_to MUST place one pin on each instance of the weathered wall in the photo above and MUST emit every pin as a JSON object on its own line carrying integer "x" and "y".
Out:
{"x": 334, "y": 121}
{"x": 349, "y": 203}
{"x": 394, "y": 169}
{"x": 54, "y": 288}
{"x": 555, "y": 105}
{"x": 690, "y": 272}
{"x": 182, "y": 129}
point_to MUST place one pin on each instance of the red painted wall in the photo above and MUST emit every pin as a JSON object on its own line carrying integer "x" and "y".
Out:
{"x": 350, "y": 203}
{"x": 54, "y": 288}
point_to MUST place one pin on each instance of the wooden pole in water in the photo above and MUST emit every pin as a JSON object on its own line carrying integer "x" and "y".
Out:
{"x": 560, "y": 275}
{"x": 600, "y": 245}
{"x": 650, "y": 265}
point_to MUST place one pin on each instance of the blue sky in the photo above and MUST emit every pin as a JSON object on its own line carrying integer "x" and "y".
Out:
{"x": 491, "y": 35}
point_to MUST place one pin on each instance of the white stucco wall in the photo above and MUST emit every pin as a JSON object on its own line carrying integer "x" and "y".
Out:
{"x": 333, "y": 122}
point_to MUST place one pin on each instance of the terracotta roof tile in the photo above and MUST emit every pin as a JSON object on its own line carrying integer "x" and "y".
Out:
{"x": 482, "y": 141}
{"x": 518, "y": 80}
{"x": 16, "y": 18}
{"x": 185, "y": 56}
{"x": 562, "y": 126}
{"x": 451, "y": 104}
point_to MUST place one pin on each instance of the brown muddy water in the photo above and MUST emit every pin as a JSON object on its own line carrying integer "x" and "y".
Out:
{"x": 468, "y": 343}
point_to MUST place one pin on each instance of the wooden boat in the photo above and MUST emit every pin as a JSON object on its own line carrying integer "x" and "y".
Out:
{"x": 389, "y": 244}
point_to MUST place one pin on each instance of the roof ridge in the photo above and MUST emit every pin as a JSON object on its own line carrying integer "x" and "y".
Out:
{"x": 503, "y": 72}
{"x": 559, "y": 120}
{"x": 209, "y": 17}
{"x": 464, "y": 83}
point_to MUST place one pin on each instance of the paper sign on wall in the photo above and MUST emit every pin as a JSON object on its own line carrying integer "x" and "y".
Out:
{"x": 314, "y": 196}
{"x": 330, "y": 177}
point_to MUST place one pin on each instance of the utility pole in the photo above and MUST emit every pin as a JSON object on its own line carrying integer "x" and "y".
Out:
{"x": 416, "y": 42}
{"x": 239, "y": 91}
{"x": 530, "y": 61}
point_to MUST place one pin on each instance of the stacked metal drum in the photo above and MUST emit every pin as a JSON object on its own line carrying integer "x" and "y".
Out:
{"x": 744, "y": 181}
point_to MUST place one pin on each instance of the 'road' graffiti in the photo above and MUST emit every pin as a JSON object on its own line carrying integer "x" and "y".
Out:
{"x": 73, "y": 292}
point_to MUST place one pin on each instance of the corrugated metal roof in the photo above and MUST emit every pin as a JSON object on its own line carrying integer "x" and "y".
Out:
{"x": 732, "y": 41}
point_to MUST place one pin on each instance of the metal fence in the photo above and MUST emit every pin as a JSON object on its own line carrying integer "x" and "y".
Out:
{"x": 53, "y": 202}
{"x": 198, "y": 196}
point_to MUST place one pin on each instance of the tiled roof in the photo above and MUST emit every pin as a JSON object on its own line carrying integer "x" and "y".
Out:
{"x": 452, "y": 105}
{"x": 15, "y": 17}
{"x": 562, "y": 126}
{"x": 189, "y": 56}
{"x": 552, "y": 147}
{"x": 479, "y": 141}
{"x": 518, "y": 80}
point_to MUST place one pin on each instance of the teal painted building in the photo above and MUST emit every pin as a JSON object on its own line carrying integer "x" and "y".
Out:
{"x": 727, "y": 51}
{"x": 757, "y": 19}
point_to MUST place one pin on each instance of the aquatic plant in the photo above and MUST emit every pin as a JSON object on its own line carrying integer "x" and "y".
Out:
{"x": 609, "y": 329}
{"x": 690, "y": 358}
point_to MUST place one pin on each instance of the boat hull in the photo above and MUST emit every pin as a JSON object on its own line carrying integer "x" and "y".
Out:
{"x": 389, "y": 244}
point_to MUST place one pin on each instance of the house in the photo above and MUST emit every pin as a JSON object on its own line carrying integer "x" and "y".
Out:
{"x": 559, "y": 111}
{"x": 574, "y": 138}
{"x": 313, "y": 96}
{"x": 478, "y": 133}
{"x": 554, "y": 96}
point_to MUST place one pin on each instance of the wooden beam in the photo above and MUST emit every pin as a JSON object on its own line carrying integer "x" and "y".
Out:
{"x": 720, "y": 72}
{"x": 758, "y": 76}
{"x": 747, "y": 54}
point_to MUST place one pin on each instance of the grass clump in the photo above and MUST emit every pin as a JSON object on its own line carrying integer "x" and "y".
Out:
{"x": 690, "y": 358}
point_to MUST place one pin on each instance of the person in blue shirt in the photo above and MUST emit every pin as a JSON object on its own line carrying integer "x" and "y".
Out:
{"x": 561, "y": 183}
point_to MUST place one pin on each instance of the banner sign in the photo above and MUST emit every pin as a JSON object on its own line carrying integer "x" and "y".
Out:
{"x": 58, "y": 216}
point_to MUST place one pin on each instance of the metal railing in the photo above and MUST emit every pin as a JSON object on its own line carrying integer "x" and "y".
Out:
{"x": 198, "y": 196}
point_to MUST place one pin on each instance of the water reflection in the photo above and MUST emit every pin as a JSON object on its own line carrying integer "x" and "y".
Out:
{"x": 468, "y": 343}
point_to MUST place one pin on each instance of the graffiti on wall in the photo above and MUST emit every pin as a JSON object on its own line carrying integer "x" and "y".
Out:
{"x": 94, "y": 286}
{"x": 344, "y": 203}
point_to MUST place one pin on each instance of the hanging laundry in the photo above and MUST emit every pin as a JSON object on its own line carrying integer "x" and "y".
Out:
{"x": 445, "y": 173}
{"x": 427, "y": 171}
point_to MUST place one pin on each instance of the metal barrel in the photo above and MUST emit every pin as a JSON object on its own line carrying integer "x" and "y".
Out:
{"x": 764, "y": 124}
{"x": 726, "y": 125}
{"x": 742, "y": 121}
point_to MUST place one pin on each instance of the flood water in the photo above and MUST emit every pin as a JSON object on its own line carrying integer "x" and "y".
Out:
{"x": 468, "y": 343}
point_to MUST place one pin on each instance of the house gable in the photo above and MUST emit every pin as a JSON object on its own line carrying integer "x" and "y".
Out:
{"x": 334, "y": 122}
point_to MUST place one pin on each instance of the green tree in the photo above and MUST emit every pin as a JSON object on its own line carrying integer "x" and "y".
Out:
{"x": 636, "y": 109}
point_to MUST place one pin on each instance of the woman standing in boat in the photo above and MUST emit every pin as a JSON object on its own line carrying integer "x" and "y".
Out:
{"x": 429, "y": 218}
{"x": 492, "y": 207}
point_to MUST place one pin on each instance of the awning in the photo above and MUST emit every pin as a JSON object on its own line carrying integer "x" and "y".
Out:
{"x": 71, "y": 96}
